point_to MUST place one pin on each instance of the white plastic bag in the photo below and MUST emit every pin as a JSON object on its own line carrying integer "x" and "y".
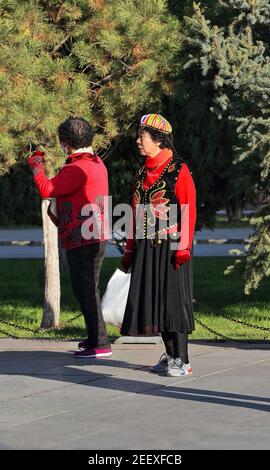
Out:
{"x": 114, "y": 300}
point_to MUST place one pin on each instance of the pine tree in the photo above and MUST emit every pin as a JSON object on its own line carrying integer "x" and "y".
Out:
{"x": 38, "y": 90}
{"x": 127, "y": 50}
{"x": 238, "y": 54}
{"x": 106, "y": 61}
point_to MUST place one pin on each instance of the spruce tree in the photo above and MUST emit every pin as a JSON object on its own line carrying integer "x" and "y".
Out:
{"x": 238, "y": 54}
{"x": 204, "y": 140}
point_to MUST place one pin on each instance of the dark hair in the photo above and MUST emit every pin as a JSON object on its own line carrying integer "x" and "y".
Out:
{"x": 76, "y": 132}
{"x": 165, "y": 140}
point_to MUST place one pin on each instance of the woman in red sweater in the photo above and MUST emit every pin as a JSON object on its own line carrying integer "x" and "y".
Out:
{"x": 159, "y": 247}
{"x": 81, "y": 183}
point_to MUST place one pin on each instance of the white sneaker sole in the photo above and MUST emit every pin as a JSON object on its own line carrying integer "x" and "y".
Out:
{"x": 177, "y": 373}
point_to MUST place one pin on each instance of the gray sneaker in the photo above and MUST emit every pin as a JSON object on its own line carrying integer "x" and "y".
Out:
{"x": 162, "y": 365}
{"x": 177, "y": 368}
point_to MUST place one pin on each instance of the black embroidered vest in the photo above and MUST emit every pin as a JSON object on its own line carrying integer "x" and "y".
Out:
{"x": 157, "y": 208}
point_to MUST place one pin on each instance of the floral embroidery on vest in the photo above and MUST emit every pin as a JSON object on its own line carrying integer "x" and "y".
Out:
{"x": 158, "y": 203}
{"x": 153, "y": 210}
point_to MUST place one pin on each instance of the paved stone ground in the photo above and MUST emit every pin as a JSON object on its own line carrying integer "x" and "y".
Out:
{"x": 51, "y": 400}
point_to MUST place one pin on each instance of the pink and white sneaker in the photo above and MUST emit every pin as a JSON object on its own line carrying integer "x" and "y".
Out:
{"x": 94, "y": 352}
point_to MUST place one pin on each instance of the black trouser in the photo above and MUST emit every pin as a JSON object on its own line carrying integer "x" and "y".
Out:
{"x": 176, "y": 344}
{"x": 84, "y": 264}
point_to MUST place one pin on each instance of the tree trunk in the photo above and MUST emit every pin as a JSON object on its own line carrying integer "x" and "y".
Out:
{"x": 51, "y": 309}
{"x": 235, "y": 209}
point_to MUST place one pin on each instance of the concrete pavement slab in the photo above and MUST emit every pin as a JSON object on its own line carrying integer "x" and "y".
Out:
{"x": 51, "y": 400}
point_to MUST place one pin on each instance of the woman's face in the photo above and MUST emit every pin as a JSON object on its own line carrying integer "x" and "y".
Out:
{"x": 146, "y": 145}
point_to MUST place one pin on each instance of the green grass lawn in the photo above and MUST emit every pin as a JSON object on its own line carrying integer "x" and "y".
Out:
{"x": 222, "y": 222}
{"x": 21, "y": 297}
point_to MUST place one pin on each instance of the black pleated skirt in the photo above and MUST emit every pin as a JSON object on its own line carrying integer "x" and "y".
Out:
{"x": 160, "y": 297}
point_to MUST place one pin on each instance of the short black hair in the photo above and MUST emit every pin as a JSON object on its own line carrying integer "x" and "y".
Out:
{"x": 165, "y": 140}
{"x": 76, "y": 132}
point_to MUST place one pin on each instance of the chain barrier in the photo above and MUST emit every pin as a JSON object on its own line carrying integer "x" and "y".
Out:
{"x": 213, "y": 331}
{"x": 19, "y": 327}
{"x": 36, "y": 330}
{"x": 227, "y": 338}
{"x": 263, "y": 328}
{"x": 71, "y": 320}
{"x": 9, "y": 334}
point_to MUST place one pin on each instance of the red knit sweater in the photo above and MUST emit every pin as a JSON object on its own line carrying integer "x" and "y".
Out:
{"x": 82, "y": 181}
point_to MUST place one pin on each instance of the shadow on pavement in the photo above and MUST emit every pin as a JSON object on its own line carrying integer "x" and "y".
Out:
{"x": 63, "y": 367}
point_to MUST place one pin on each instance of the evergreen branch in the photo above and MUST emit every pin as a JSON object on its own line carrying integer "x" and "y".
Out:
{"x": 66, "y": 38}
{"x": 109, "y": 77}
{"x": 188, "y": 40}
{"x": 109, "y": 151}
{"x": 223, "y": 4}
{"x": 125, "y": 65}
{"x": 49, "y": 10}
{"x": 59, "y": 11}
{"x": 94, "y": 83}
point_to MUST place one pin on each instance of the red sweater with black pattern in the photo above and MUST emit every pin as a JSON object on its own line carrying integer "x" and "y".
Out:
{"x": 80, "y": 187}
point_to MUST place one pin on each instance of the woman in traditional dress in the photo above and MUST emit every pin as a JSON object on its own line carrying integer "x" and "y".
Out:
{"x": 159, "y": 247}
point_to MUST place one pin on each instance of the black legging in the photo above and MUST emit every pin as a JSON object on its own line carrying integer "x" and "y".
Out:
{"x": 176, "y": 344}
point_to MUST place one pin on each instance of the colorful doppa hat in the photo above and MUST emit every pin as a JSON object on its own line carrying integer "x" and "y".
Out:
{"x": 156, "y": 121}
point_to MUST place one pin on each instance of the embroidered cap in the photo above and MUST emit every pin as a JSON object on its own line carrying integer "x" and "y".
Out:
{"x": 156, "y": 121}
